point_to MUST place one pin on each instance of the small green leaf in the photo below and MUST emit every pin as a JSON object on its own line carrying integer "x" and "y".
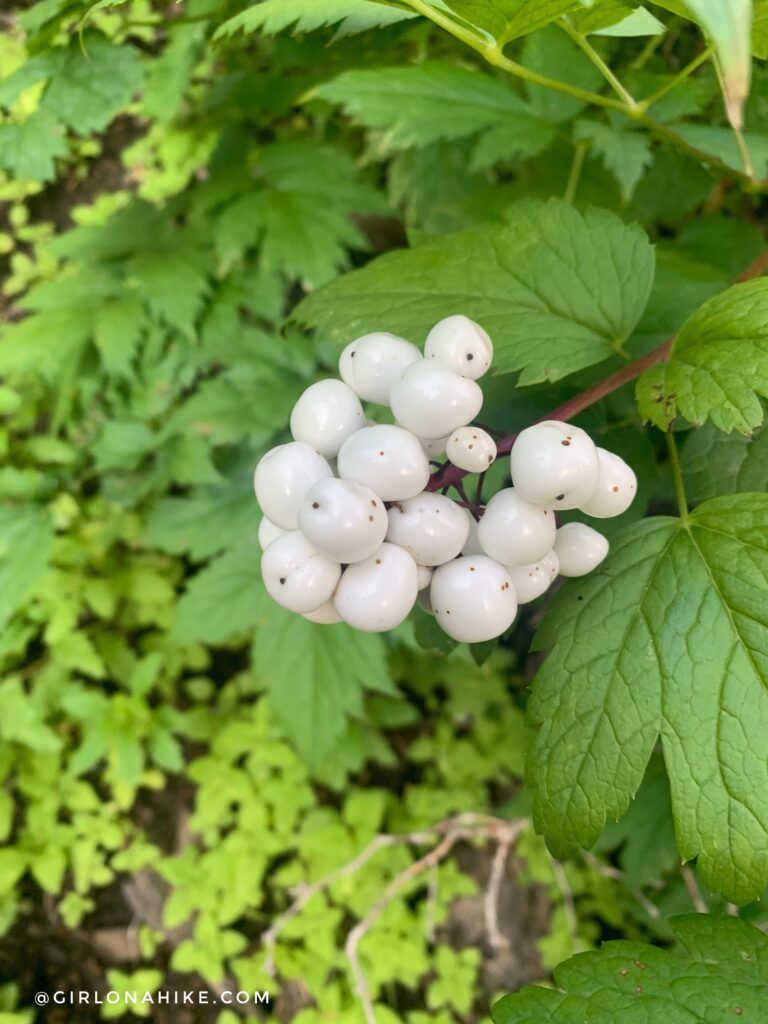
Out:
{"x": 26, "y": 540}
{"x": 28, "y": 148}
{"x": 718, "y": 366}
{"x": 505, "y": 20}
{"x": 351, "y": 16}
{"x": 558, "y": 290}
{"x": 225, "y": 598}
{"x": 715, "y": 463}
{"x": 624, "y": 154}
{"x": 669, "y": 638}
{"x": 718, "y": 975}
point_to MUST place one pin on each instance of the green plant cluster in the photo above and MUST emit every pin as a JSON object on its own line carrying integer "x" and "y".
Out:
{"x": 201, "y": 203}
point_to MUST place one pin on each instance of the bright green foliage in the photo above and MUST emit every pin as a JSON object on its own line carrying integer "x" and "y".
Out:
{"x": 530, "y": 282}
{"x": 716, "y": 463}
{"x": 718, "y": 366}
{"x": 720, "y": 973}
{"x": 624, "y": 154}
{"x": 668, "y": 639}
{"x": 351, "y": 16}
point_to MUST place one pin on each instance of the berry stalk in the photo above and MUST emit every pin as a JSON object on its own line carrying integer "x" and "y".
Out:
{"x": 451, "y": 476}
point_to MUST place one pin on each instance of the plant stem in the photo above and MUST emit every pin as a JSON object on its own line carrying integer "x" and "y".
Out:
{"x": 579, "y": 156}
{"x": 672, "y": 83}
{"x": 677, "y": 476}
{"x": 586, "y": 47}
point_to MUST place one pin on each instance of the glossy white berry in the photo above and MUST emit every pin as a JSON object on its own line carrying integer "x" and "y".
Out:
{"x": 297, "y": 575}
{"x": 616, "y": 487}
{"x": 434, "y": 447}
{"x": 282, "y": 478}
{"x": 432, "y": 402}
{"x": 423, "y": 576}
{"x": 579, "y": 549}
{"x": 325, "y": 415}
{"x": 386, "y": 458}
{"x": 431, "y": 527}
{"x": 531, "y": 581}
{"x": 377, "y": 594}
{"x": 473, "y": 599}
{"x": 460, "y": 345}
{"x": 268, "y": 532}
{"x": 471, "y": 448}
{"x": 325, "y": 615}
{"x": 514, "y": 531}
{"x": 343, "y": 519}
{"x": 554, "y": 463}
{"x": 472, "y": 545}
{"x": 371, "y": 364}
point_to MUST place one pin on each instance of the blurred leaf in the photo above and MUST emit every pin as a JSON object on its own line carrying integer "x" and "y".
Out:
{"x": 28, "y": 148}
{"x": 625, "y": 154}
{"x": 225, "y": 598}
{"x": 715, "y": 463}
{"x": 26, "y": 539}
{"x": 351, "y": 16}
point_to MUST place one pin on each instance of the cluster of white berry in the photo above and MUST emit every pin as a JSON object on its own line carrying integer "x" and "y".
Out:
{"x": 350, "y": 533}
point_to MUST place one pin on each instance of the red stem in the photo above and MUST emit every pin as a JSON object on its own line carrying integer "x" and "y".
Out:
{"x": 450, "y": 475}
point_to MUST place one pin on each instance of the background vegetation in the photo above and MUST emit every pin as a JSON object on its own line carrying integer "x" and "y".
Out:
{"x": 190, "y": 775}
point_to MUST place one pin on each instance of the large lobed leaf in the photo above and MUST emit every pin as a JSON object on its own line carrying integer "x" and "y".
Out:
{"x": 720, "y": 974}
{"x": 669, "y": 639}
{"x": 558, "y": 290}
{"x": 718, "y": 366}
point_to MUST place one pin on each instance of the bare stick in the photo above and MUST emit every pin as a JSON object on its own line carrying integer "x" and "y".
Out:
{"x": 694, "y": 893}
{"x": 496, "y": 938}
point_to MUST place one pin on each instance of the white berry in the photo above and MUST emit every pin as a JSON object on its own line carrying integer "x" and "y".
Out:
{"x": 616, "y": 487}
{"x": 325, "y": 615}
{"x": 514, "y": 531}
{"x": 386, "y": 458}
{"x": 268, "y": 532}
{"x": 531, "y": 581}
{"x": 434, "y": 447}
{"x": 431, "y": 527}
{"x": 432, "y": 402}
{"x": 423, "y": 576}
{"x": 460, "y": 345}
{"x": 371, "y": 364}
{"x": 579, "y": 549}
{"x": 282, "y": 478}
{"x": 325, "y": 415}
{"x": 297, "y": 575}
{"x": 554, "y": 463}
{"x": 472, "y": 545}
{"x": 473, "y": 599}
{"x": 343, "y": 519}
{"x": 471, "y": 448}
{"x": 377, "y": 594}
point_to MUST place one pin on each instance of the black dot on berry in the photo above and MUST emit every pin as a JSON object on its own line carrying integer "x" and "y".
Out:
{"x": 378, "y": 561}
{"x": 470, "y": 357}
{"x": 370, "y": 519}
{"x": 282, "y": 579}
{"x": 490, "y": 458}
{"x": 566, "y": 443}
{"x": 315, "y": 504}
{"x": 471, "y": 446}
{"x": 381, "y": 453}
{"x": 373, "y": 503}
{"x": 615, "y": 489}
{"x": 351, "y": 355}
{"x": 471, "y": 568}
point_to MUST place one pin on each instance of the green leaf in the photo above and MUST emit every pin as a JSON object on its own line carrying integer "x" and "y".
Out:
{"x": 122, "y": 445}
{"x": 419, "y": 105}
{"x": 624, "y": 154}
{"x": 639, "y": 22}
{"x": 669, "y": 638}
{"x": 224, "y": 599}
{"x": 616, "y": 18}
{"x": 718, "y": 365}
{"x": 316, "y": 676}
{"x": 718, "y": 975}
{"x": 715, "y": 463}
{"x": 721, "y": 142}
{"x": 504, "y": 20}
{"x": 28, "y": 148}
{"x": 550, "y": 52}
{"x": 307, "y": 15}
{"x": 26, "y": 539}
{"x": 203, "y": 526}
{"x": 558, "y": 290}
{"x": 729, "y": 26}
{"x": 91, "y": 81}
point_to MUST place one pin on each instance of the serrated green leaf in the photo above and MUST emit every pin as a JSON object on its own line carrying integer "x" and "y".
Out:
{"x": 616, "y": 18}
{"x": 557, "y": 289}
{"x": 639, "y": 22}
{"x": 351, "y": 16}
{"x": 721, "y": 142}
{"x": 26, "y": 540}
{"x": 28, "y": 148}
{"x": 224, "y": 599}
{"x": 203, "y": 526}
{"x": 718, "y": 975}
{"x": 715, "y": 463}
{"x": 316, "y": 676}
{"x": 420, "y": 105}
{"x": 550, "y": 52}
{"x": 670, "y": 638}
{"x": 91, "y": 81}
{"x": 624, "y": 154}
{"x": 718, "y": 366}
{"x": 504, "y": 20}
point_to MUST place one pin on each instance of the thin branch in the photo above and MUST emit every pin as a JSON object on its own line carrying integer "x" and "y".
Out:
{"x": 591, "y": 53}
{"x": 672, "y": 83}
{"x": 677, "y": 477}
{"x": 496, "y": 938}
{"x": 693, "y": 890}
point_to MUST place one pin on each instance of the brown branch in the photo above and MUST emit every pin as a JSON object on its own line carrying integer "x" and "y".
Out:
{"x": 450, "y": 476}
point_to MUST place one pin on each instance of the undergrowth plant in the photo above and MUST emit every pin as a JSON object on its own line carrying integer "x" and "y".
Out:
{"x": 203, "y": 203}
